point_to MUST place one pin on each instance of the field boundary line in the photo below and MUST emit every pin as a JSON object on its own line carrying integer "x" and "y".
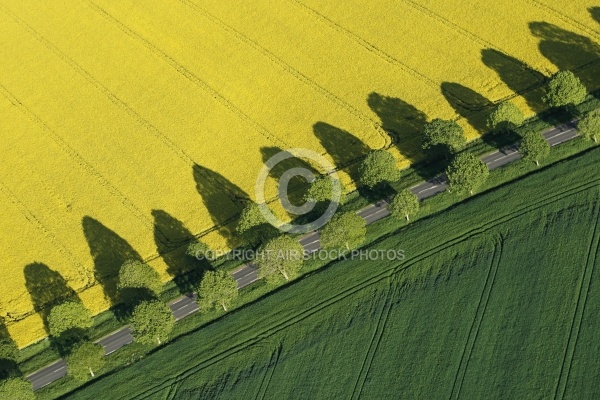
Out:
{"x": 264, "y": 384}
{"x": 375, "y": 341}
{"x": 367, "y": 45}
{"x": 288, "y": 68}
{"x": 164, "y": 139}
{"x": 478, "y": 317}
{"x": 191, "y": 77}
{"x": 291, "y": 320}
{"x": 565, "y": 18}
{"x": 582, "y": 296}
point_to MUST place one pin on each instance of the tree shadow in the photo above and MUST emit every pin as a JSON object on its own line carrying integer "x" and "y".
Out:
{"x": 8, "y": 353}
{"x": 595, "y": 13}
{"x": 402, "y": 121}
{"x": 518, "y": 76}
{"x": 297, "y": 186}
{"x": 186, "y": 271}
{"x": 109, "y": 252}
{"x": 384, "y": 190}
{"x": 569, "y": 51}
{"x": 345, "y": 149}
{"x": 48, "y": 289}
{"x": 130, "y": 297}
{"x": 469, "y": 104}
{"x": 223, "y": 199}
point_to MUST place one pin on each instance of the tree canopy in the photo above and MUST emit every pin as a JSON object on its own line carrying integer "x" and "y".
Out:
{"x": 379, "y": 166}
{"x": 466, "y": 173}
{"x": 85, "y": 360}
{"x": 16, "y": 389}
{"x": 534, "y": 147}
{"x": 443, "y": 136}
{"x": 321, "y": 190}
{"x": 70, "y": 315}
{"x": 152, "y": 322}
{"x": 198, "y": 249}
{"x": 505, "y": 117}
{"x": 589, "y": 125}
{"x": 253, "y": 226}
{"x": 138, "y": 275}
{"x": 404, "y": 204}
{"x": 217, "y": 289}
{"x": 8, "y": 349}
{"x": 250, "y": 217}
{"x": 564, "y": 89}
{"x": 8, "y": 357}
{"x": 344, "y": 232}
{"x": 280, "y": 257}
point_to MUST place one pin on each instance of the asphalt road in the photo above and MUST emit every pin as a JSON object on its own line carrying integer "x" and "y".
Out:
{"x": 47, "y": 375}
{"x": 502, "y": 157}
{"x": 555, "y": 136}
{"x": 561, "y": 133}
{"x": 184, "y": 306}
{"x": 181, "y": 308}
{"x": 430, "y": 188}
{"x": 114, "y": 341}
{"x": 247, "y": 274}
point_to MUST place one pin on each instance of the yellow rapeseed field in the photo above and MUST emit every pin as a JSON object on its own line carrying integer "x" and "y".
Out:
{"x": 129, "y": 126}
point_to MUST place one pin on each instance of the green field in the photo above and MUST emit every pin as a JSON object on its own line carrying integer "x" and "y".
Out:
{"x": 496, "y": 299}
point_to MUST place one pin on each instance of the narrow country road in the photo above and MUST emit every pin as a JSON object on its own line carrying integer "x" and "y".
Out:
{"x": 247, "y": 274}
{"x": 180, "y": 307}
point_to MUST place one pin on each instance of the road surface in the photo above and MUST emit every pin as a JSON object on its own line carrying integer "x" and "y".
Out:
{"x": 247, "y": 274}
{"x": 561, "y": 133}
{"x": 502, "y": 157}
{"x": 47, "y": 375}
{"x": 181, "y": 308}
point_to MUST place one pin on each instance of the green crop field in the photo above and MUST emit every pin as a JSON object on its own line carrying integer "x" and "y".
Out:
{"x": 498, "y": 297}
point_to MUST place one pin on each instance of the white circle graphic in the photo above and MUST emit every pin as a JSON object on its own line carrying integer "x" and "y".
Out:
{"x": 283, "y": 193}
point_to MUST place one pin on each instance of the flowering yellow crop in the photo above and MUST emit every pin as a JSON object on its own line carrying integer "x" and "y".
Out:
{"x": 128, "y": 126}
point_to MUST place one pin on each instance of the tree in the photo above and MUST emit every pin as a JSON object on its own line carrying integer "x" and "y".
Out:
{"x": 280, "y": 257}
{"x": 589, "y": 125}
{"x": 217, "y": 288}
{"x": 16, "y": 389}
{"x": 505, "y": 117}
{"x": 85, "y": 360}
{"x": 564, "y": 89}
{"x": 443, "y": 136}
{"x": 68, "y": 316}
{"x": 138, "y": 275}
{"x": 249, "y": 218}
{"x": 198, "y": 250}
{"x": 404, "y": 204}
{"x": 253, "y": 226}
{"x": 379, "y": 166}
{"x": 151, "y": 321}
{"x": 8, "y": 357}
{"x": 466, "y": 173}
{"x": 321, "y": 190}
{"x": 534, "y": 147}
{"x": 344, "y": 232}
{"x": 8, "y": 350}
